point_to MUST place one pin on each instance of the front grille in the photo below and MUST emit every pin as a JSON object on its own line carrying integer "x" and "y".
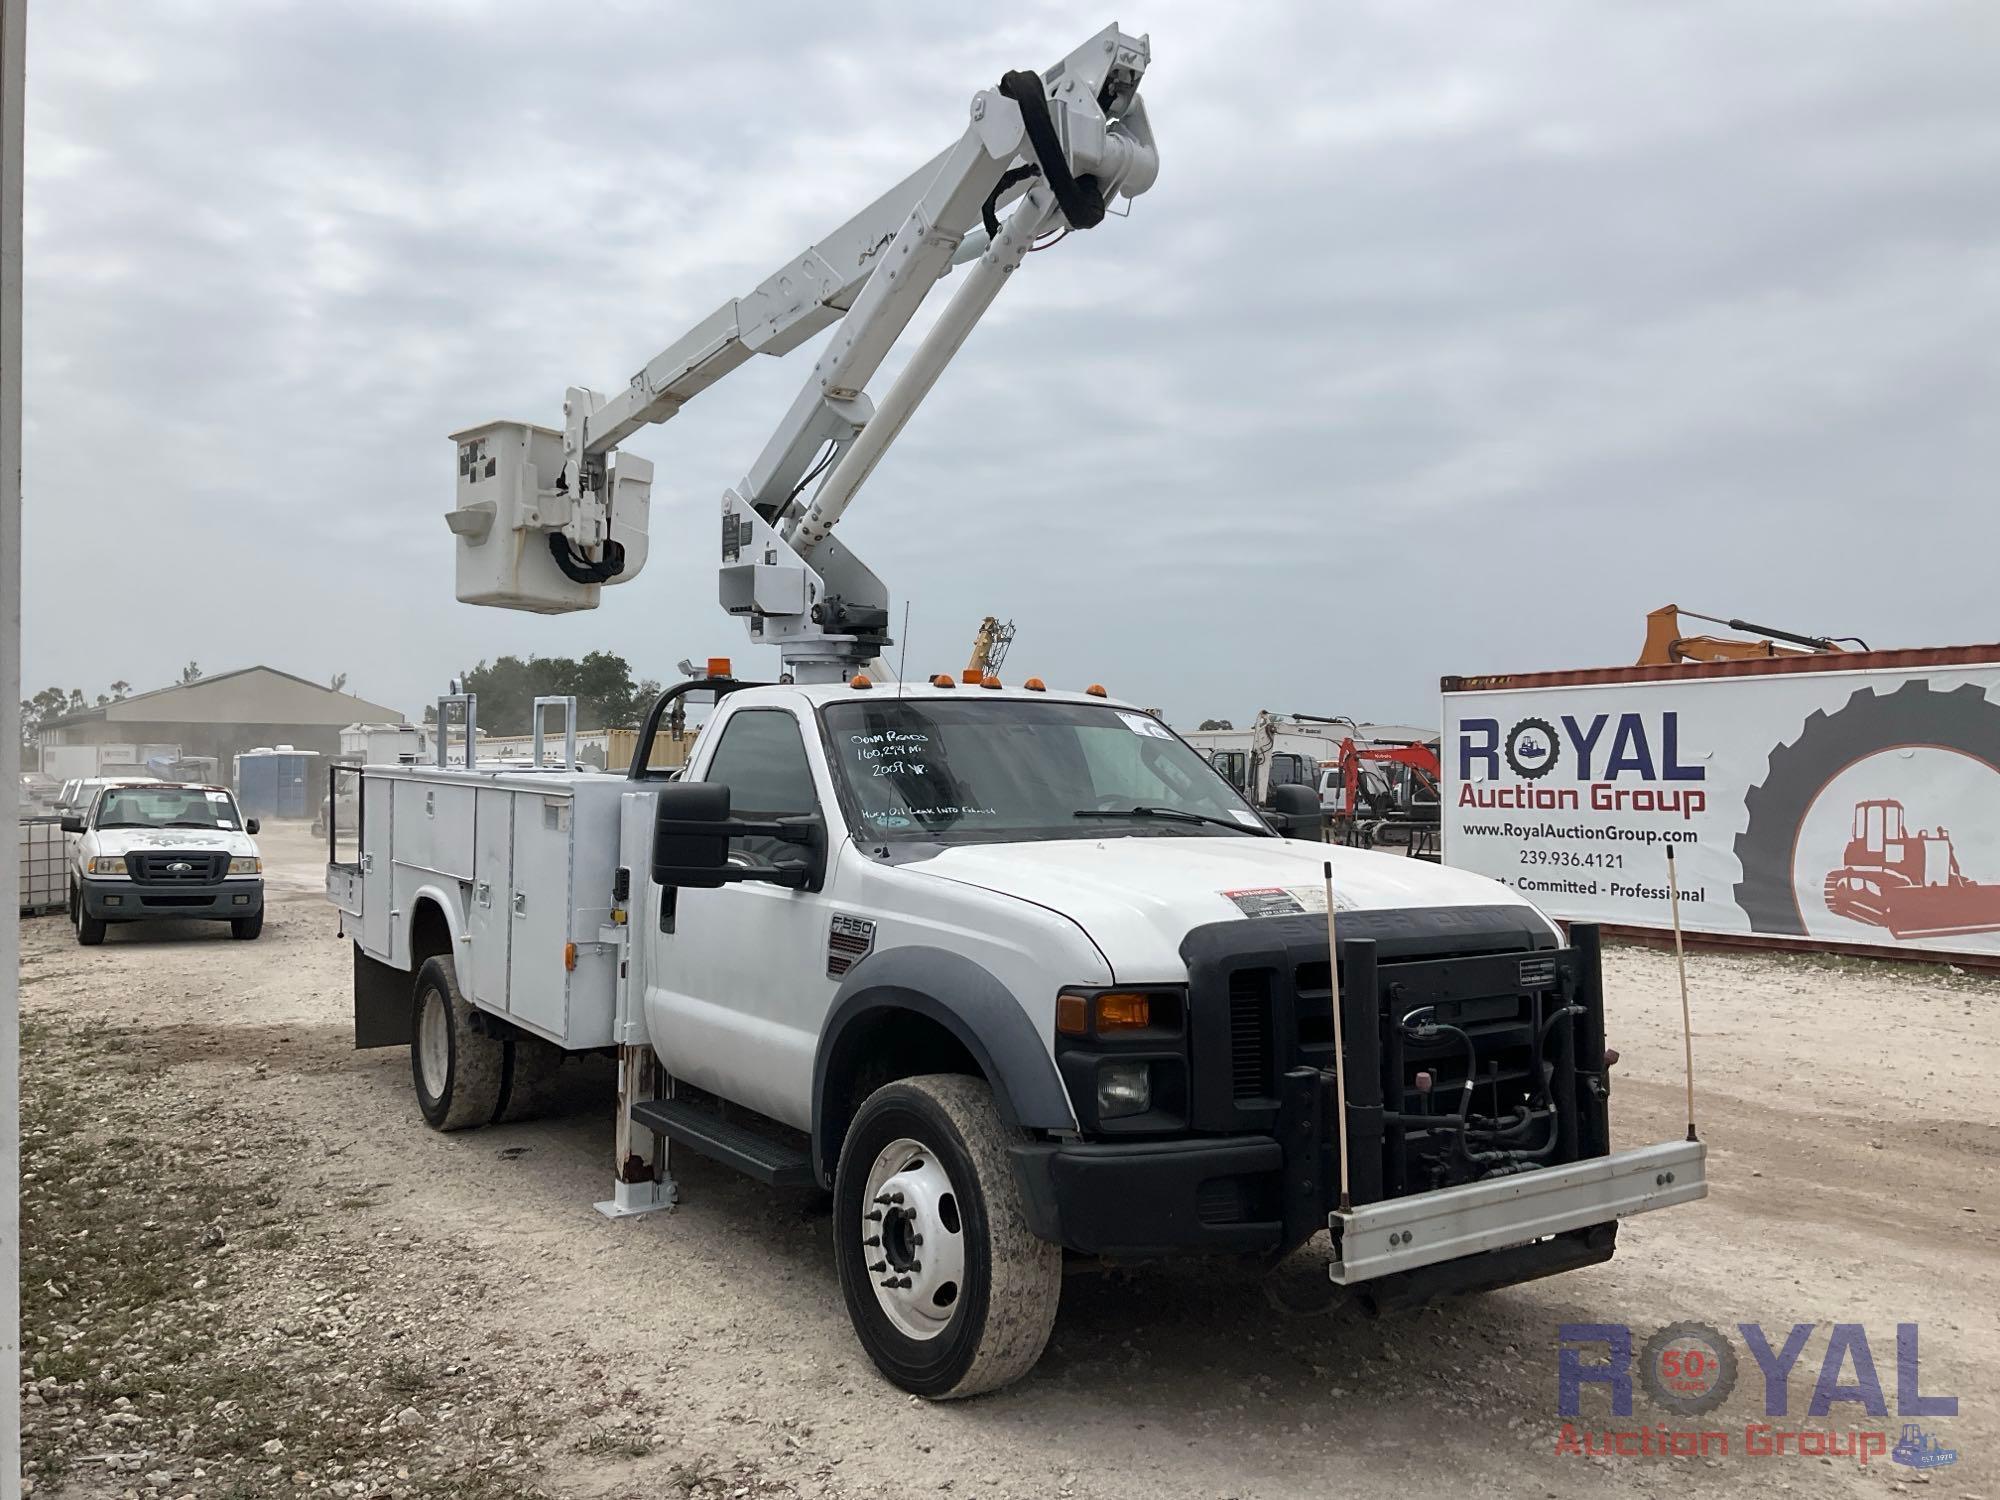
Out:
{"x": 1251, "y": 1052}
{"x": 1429, "y": 996}
{"x": 170, "y": 867}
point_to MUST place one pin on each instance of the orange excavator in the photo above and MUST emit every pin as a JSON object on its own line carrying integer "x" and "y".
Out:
{"x": 1666, "y": 646}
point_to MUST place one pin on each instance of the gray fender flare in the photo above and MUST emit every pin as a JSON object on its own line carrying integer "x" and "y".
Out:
{"x": 965, "y": 1000}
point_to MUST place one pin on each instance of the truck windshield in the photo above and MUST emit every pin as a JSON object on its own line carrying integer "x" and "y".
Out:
{"x": 167, "y": 807}
{"x": 1004, "y": 769}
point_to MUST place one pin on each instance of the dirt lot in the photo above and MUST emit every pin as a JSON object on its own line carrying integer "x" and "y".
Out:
{"x": 249, "y": 1270}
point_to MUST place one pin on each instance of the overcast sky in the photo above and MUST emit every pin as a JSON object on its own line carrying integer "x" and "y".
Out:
{"x": 1453, "y": 338}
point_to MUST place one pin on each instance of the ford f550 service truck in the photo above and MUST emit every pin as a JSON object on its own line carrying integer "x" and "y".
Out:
{"x": 1012, "y": 972}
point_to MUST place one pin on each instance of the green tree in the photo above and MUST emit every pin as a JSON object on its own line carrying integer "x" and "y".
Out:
{"x": 191, "y": 673}
{"x": 49, "y": 703}
{"x": 602, "y": 683}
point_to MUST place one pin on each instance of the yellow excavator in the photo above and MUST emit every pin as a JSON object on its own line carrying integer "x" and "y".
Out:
{"x": 1666, "y": 646}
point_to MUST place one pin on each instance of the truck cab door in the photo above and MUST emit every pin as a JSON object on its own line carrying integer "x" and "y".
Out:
{"x": 737, "y": 988}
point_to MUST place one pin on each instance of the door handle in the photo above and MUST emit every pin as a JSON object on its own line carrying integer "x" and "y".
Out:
{"x": 520, "y": 903}
{"x": 484, "y": 895}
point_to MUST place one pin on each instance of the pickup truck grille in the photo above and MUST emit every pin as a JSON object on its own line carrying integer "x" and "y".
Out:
{"x": 1486, "y": 981}
{"x": 171, "y": 867}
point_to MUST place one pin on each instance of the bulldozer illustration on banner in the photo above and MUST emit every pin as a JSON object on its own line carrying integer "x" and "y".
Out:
{"x": 1907, "y": 880}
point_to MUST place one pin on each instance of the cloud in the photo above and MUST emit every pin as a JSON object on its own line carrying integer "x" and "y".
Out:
{"x": 1452, "y": 338}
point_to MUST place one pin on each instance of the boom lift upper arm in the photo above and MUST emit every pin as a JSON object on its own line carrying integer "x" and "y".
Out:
{"x": 545, "y": 518}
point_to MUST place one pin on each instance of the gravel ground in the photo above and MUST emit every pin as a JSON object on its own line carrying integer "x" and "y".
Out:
{"x": 249, "y": 1270}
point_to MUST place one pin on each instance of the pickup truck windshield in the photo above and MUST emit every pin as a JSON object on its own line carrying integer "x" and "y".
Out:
{"x": 1005, "y": 769}
{"x": 166, "y": 807}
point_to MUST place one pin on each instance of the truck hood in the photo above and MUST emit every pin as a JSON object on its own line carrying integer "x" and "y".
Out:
{"x": 192, "y": 840}
{"x": 1138, "y": 897}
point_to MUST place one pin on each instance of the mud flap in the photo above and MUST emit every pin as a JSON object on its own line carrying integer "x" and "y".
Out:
{"x": 384, "y": 1005}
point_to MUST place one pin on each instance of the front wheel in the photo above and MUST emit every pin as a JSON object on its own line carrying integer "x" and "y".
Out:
{"x": 245, "y": 929}
{"x": 949, "y": 1291}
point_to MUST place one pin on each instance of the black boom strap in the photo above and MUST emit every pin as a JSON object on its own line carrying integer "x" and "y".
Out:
{"x": 1078, "y": 197}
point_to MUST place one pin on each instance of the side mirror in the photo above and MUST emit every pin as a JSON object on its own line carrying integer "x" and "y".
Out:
{"x": 71, "y": 823}
{"x": 251, "y": 826}
{"x": 691, "y": 831}
{"x": 1297, "y": 812}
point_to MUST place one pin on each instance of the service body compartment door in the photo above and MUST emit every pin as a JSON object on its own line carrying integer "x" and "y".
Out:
{"x": 488, "y": 919}
{"x": 538, "y": 911}
{"x": 434, "y": 827}
{"x": 377, "y": 840}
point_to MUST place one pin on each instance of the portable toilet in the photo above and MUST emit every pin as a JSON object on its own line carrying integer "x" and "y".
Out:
{"x": 277, "y": 783}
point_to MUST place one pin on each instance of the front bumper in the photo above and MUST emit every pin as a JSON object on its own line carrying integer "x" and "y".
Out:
{"x": 1150, "y": 1198}
{"x": 1146, "y": 1198}
{"x": 1399, "y": 1235}
{"x": 137, "y": 901}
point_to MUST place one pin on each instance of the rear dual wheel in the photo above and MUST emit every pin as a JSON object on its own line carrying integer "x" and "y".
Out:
{"x": 464, "y": 1075}
{"x": 948, "y": 1289}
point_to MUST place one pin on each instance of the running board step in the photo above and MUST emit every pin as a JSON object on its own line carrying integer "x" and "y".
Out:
{"x": 749, "y": 1151}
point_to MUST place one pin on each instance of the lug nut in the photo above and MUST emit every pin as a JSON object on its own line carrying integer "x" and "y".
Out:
{"x": 873, "y": 1242}
{"x": 880, "y": 1265}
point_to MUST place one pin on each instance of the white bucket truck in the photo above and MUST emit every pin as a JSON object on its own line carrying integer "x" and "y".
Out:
{"x": 1011, "y": 972}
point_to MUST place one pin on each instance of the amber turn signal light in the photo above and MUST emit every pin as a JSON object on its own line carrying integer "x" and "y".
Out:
{"x": 1114, "y": 1010}
{"x": 1035, "y": 685}
{"x": 1096, "y": 690}
{"x": 859, "y": 682}
{"x": 943, "y": 680}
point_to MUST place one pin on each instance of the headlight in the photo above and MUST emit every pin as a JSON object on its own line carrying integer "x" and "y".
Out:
{"x": 106, "y": 864}
{"x": 247, "y": 865}
{"x": 1123, "y": 1088}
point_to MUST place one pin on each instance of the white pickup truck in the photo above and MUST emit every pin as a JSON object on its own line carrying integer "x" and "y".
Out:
{"x": 153, "y": 851}
{"x": 1013, "y": 973}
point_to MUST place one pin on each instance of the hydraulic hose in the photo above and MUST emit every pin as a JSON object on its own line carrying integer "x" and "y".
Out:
{"x": 1079, "y": 198}
{"x": 581, "y": 569}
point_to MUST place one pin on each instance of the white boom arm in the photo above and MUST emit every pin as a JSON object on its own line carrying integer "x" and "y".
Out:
{"x": 553, "y": 516}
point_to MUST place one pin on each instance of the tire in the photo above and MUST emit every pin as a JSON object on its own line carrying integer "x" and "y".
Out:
{"x": 245, "y": 929}
{"x": 457, "y": 1070}
{"x": 1963, "y": 719}
{"x": 532, "y": 1073}
{"x": 89, "y": 929}
{"x": 938, "y": 1144}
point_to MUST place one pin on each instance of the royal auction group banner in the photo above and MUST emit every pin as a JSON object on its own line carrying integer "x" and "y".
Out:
{"x": 1851, "y": 800}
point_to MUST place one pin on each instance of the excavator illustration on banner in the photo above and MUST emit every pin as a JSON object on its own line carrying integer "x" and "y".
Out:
{"x": 1907, "y": 880}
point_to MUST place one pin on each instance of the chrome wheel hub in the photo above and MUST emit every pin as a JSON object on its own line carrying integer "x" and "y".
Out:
{"x": 913, "y": 1239}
